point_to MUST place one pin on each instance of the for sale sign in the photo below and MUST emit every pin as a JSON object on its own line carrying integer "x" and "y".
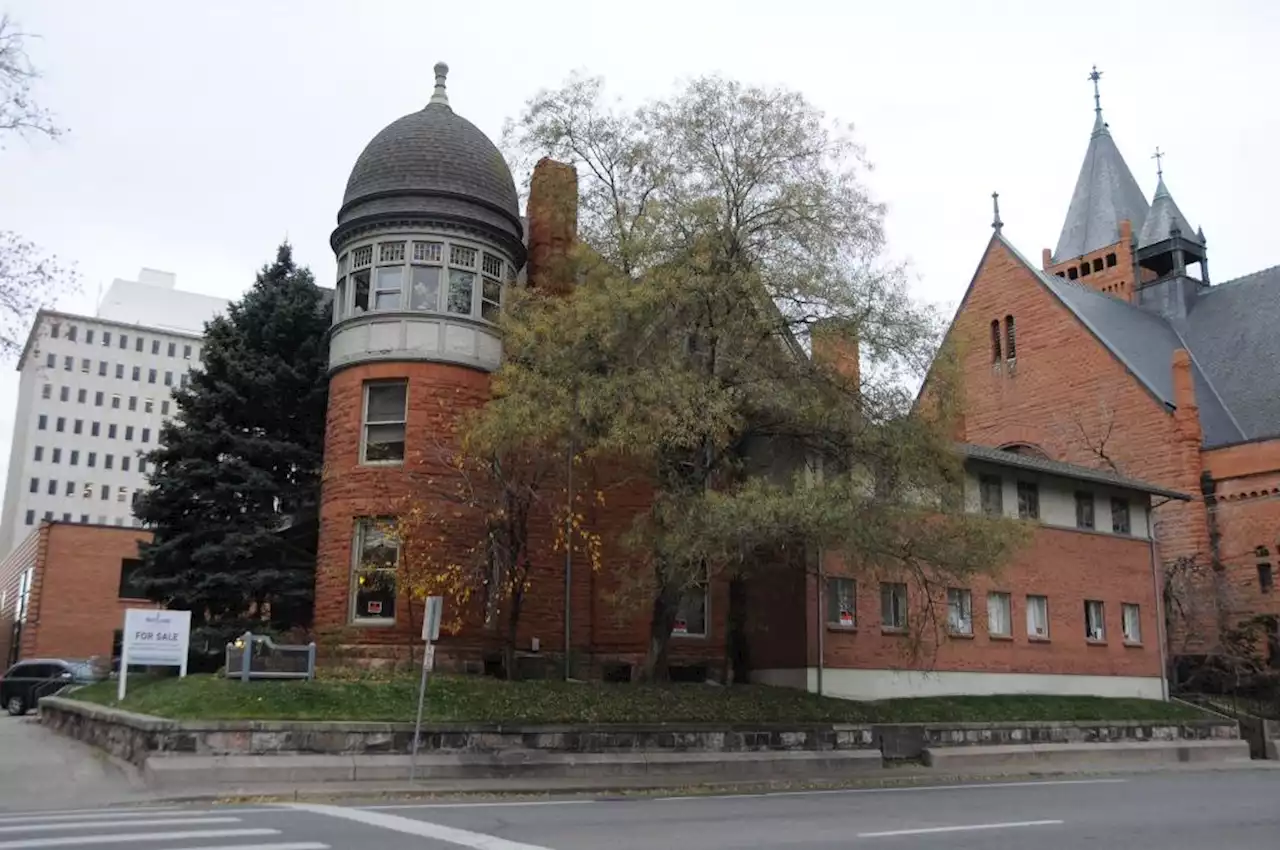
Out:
{"x": 154, "y": 638}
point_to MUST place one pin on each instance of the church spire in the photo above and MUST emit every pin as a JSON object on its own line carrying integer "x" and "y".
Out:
{"x": 1099, "y": 126}
{"x": 1105, "y": 194}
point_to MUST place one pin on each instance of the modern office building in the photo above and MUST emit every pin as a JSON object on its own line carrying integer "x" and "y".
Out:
{"x": 92, "y": 395}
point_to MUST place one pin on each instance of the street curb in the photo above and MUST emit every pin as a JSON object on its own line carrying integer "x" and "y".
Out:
{"x": 605, "y": 792}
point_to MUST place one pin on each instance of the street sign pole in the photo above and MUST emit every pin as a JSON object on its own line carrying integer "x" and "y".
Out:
{"x": 430, "y": 633}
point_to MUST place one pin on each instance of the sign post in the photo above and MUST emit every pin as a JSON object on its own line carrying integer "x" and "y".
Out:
{"x": 430, "y": 633}
{"x": 155, "y": 638}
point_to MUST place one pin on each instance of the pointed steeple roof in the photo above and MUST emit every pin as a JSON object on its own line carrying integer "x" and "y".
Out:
{"x": 1105, "y": 194}
{"x": 1163, "y": 216}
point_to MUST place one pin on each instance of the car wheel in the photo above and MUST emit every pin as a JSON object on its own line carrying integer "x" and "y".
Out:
{"x": 17, "y": 706}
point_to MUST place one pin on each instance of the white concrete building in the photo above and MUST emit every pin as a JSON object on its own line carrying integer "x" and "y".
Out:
{"x": 92, "y": 395}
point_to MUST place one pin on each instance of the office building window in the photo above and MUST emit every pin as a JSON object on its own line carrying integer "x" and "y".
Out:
{"x": 56, "y": 457}
{"x": 68, "y": 364}
{"x": 54, "y": 328}
{"x": 137, "y": 373}
{"x": 151, "y": 376}
{"x": 46, "y": 392}
{"x": 97, "y": 398}
{"x": 77, "y": 427}
{"x": 128, "y": 433}
{"x": 64, "y": 393}
{"x": 88, "y": 336}
{"x": 137, "y": 345}
{"x": 111, "y": 431}
{"x": 186, "y": 352}
{"x": 102, "y": 368}
{"x": 173, "y": 349}
{"x": 53, "y": 487}
{"x": 70, "y": 489}
{"x": 124, "y": 341}
{"x": 115, "y": 401}
{"x": 35, "y": 485}
{"x": 148, "y": 405}
{"x": 82, "y": 396}
{"x": 119, "y": 371}
{"x": 39, "y": 453}
{"x": 164, "y": 408}
{"x": 71, "y": 332}
{"x": 51, "y": 361}
{"x": 168, "y": 379}
{"x": 124, "y": 463}
{"x": 108, "y": 460}
{"x": 60, "y": 424}
{"x": 106, "y": 339}
{"x": 42, "y": 422}
{"x": 104, "y": 492}
{"x": 95, "y": 429}
{"x": 85, "y": 365}
{"x": 31, "y": 517}
{"x": 133, "y": 402}
{"x": 91, "y": 459}
{"x": 75, "y": 457}
{"x": 146, "y": 435}
{"x": 155, "y": 346}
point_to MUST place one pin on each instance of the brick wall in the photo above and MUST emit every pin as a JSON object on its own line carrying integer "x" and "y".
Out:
{"x": 1067, "y": 566}
{"x": 75, "y": 605}
{"x": 610, "y": 611}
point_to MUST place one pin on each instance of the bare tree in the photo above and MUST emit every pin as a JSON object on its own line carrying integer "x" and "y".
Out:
{"x": 28, "y": 278}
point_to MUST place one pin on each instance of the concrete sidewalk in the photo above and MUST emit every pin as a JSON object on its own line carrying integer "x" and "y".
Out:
{"x": 40, "y": 769}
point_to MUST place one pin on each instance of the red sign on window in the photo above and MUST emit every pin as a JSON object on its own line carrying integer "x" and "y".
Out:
{"x": 375, "y": 607}
{"x": 681, "y": 628}
{"x": 846, "y": 618}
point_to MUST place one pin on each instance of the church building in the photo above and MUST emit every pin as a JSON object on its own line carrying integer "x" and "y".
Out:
{"x": 1117, "y": 351}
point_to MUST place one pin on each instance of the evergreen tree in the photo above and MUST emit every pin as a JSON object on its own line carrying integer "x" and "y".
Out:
{"x": 235, "y": 484}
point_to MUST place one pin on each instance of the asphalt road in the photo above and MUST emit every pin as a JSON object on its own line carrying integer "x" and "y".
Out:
{"x": 1175, "y": 811}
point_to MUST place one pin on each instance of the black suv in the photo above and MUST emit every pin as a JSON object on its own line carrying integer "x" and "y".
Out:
{"x": 26, "y": 682}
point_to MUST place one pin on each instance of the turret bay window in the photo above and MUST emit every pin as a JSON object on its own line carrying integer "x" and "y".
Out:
{"x": 375, "y": 555}
{"x": 382, "y": 436}
{"x": 420, "y": 275}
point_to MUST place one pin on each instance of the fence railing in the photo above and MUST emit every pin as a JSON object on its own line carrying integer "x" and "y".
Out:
{"x": 259, "y": 657}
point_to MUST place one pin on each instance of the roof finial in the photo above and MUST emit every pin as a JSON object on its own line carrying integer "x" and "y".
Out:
{"x": 1157, "y": 156}
{"x": 996, "y": 223}
{"x": 439, "y": 96}
{"x": 1097, "y": 97}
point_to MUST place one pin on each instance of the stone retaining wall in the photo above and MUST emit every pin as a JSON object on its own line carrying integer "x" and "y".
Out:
{"x": 135, "y": 737}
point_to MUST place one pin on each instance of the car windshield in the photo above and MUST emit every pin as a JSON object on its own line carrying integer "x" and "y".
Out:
{"x": 81, "y": 671}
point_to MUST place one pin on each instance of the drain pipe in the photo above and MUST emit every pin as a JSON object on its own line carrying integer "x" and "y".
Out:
{"x": 820, "y": 622}
{"x": 1156, "y": 585}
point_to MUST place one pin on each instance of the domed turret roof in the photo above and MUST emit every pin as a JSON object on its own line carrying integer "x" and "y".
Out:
{"x": 433, "y": 160}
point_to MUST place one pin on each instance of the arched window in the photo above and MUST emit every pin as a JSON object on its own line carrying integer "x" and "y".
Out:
{"x": 995, "y": 340}
{"x": 1011, "y": 338}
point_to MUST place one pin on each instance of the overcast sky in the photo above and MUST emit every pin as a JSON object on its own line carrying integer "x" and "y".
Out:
{"x": 202, "y": 133}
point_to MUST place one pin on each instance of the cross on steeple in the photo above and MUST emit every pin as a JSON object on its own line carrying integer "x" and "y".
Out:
{"x": 996, "y": 223}
{"x": 1157, "y": 156}
{"x": 1097, "y": 96}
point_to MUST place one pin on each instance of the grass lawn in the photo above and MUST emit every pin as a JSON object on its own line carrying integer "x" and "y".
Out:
{"x": 472, "y": 698}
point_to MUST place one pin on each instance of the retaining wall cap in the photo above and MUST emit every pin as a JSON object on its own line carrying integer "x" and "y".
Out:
{"x": 146, "y": 722}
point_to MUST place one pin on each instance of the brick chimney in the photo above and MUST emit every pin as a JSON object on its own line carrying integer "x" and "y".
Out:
{"x": 1186, "y": 415}
{"x": 553, "y": 224}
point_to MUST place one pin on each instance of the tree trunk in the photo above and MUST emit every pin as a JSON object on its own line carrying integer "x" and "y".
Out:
{"x": 665, "y": 607}
{"x": 512, "y": 635}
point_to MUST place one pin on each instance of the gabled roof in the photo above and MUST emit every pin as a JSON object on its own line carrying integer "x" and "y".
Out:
{"x": 1105, "y": 195}
{"x": 1144, "y": 343}
{"x": 1031, "y": 463}
{"x": 1233, "y": 330}
{"x": 1162, "y": 218}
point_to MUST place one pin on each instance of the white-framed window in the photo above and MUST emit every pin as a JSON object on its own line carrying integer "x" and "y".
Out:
{"x": 382, "y": 437}
{"x": 842, "y": 601}
{"x": 427, "y": 275}
{"x": 959, "y": 611}
{"x": 693, "y": 610}
{"x": 1120, "y": 517}
{"x": 1095, "y": 620}
{"x": 999, "y": 614}
{"x": 1037, "y": 616}
{"x": 893, "y": 605}
{"x": 1131, "y": 622}
{"x": 374, "y": 559}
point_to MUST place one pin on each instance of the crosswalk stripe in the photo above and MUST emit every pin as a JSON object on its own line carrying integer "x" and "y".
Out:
{"x": 131, "y": 814}
{"x": 68, "y": 813}
{"x": 126, "y": 838}
{"x": 420, "y": 828}
{"x": 108, "y": 824}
